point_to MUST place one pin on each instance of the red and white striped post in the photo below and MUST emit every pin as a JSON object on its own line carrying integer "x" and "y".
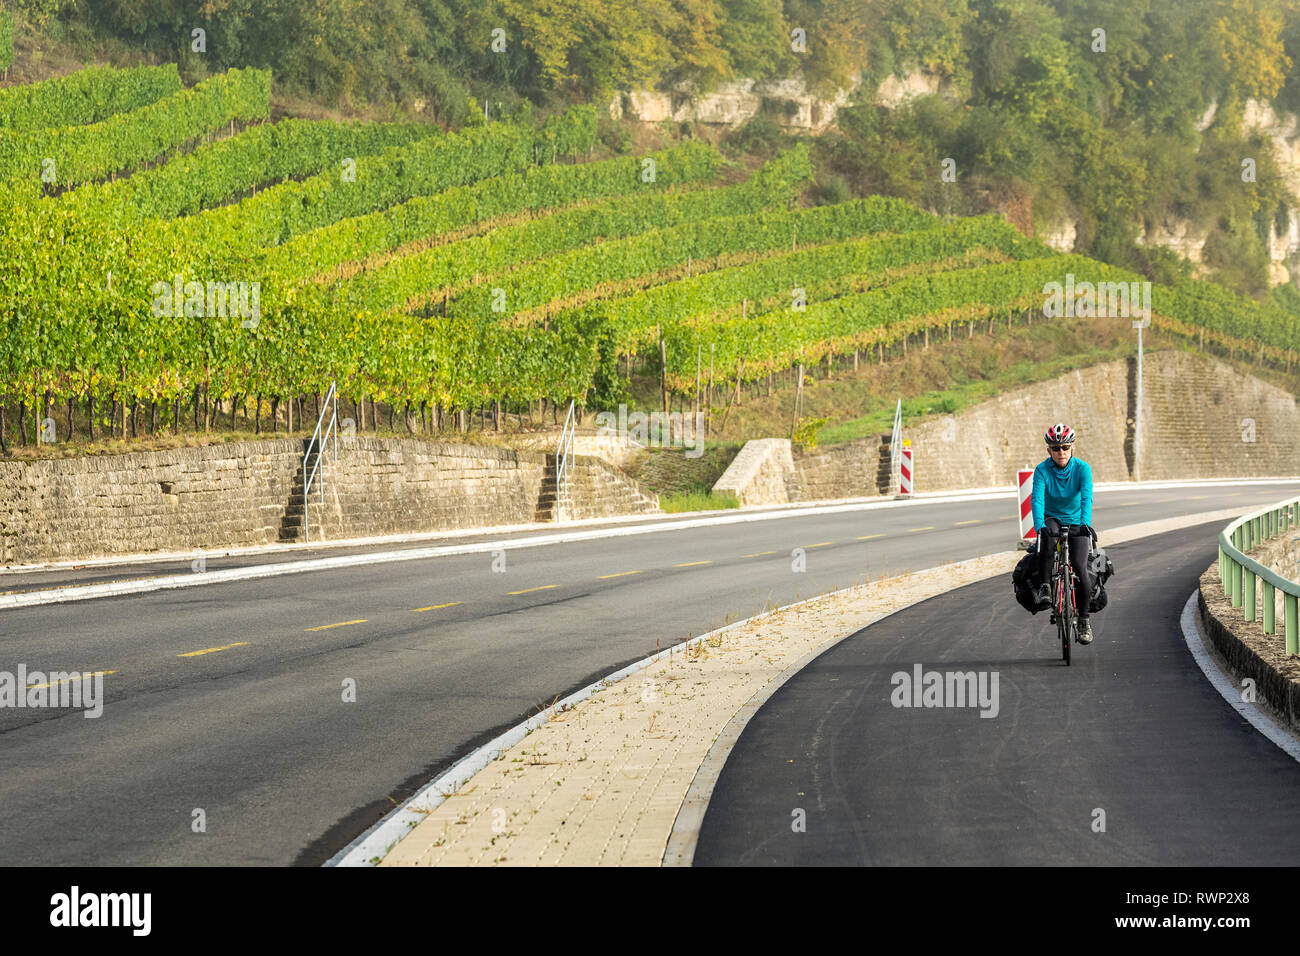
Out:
{"x": 1025, "y": 483}
{"x": 905, "y": 469}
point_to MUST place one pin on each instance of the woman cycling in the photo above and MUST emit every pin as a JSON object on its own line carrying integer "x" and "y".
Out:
{"x": 1062, "y": 504}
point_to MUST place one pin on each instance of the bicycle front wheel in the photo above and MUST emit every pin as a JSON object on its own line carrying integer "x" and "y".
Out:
{"x": 1064, "y": 628}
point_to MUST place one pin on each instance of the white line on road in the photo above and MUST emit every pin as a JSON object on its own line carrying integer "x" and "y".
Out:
{"x": 84, "y": 592}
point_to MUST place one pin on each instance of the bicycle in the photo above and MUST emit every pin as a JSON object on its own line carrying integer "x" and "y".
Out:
{"x": 1066, "y": 618}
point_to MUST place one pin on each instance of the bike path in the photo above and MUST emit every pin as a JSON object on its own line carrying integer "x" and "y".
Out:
{"x": 1131, "y": 736}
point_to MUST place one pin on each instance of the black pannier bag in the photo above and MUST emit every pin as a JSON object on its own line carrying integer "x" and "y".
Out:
{"x": 1100, "y": 569}
{"x": 1025, "y": 581}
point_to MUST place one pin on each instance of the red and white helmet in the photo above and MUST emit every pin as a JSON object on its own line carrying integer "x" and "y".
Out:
{"x": 1059, "y": 434}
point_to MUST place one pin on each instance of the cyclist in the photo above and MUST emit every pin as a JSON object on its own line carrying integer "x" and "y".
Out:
{"x": 1062, "y": 503}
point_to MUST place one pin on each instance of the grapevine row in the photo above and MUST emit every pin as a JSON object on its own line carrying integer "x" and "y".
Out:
{"x": 396, "y": 282}
{"x": 70, "y": 155}
{"x": 535, "y": 189}
{"x": 818, "y": 270}
{"x": 423, "y": 168}
{"x": 87, "y": 96}
{"x": 212, "y": 173}
{"x": 556, "y": 279}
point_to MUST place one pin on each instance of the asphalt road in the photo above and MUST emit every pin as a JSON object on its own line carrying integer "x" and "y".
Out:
{"x": 255, "y": 732}
{"x": 1130, "y": 735}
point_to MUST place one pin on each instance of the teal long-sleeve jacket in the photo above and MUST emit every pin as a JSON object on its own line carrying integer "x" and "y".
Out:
{"x": 1062, "y": 493}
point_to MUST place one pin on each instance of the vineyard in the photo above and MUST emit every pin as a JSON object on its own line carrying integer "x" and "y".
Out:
{"x": 171, "y": 255}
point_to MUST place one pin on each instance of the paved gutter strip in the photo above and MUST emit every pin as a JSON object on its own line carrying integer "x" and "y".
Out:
{"x": 603, "y": 776}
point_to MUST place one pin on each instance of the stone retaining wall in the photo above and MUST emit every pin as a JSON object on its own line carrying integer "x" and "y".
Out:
{"x": 1200, "y": 419}
{"x": 237, "y": 494}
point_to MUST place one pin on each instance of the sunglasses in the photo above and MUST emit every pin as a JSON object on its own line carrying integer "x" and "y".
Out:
{"x": 1059, "y": 447}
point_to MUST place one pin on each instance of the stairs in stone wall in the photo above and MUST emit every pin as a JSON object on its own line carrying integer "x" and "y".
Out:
{"x": 1130, "y": 423}
{"x": 291, "y": 524}
{"x": 882, "y": 467}
{"x": 549, "y": 503}
{"x": 594, "y": 489}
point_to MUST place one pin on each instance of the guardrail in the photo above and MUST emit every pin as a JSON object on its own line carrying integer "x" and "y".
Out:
{"x": 1240, "y": 574}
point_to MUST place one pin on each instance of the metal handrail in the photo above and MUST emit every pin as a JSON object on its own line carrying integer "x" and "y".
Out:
{"x": 330, "y": 405}
{"x": 1238, "y": 573}
{"x": 895, "y": 445}
{"x": 564, "y": 453}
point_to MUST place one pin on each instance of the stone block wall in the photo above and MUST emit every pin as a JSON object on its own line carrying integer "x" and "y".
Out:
{"x": 233, "y": 495}
{"x": 599, "y": 491}
{"x": 840, "y": 471}
{"x": 1200, "y": 419}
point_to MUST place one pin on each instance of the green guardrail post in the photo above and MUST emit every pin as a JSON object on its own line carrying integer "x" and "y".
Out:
{"x": 1251, "y": 588}
{"x": 1236, "y": 582}
{"x": 1270, "y": 609}
{"x": 1292, "y": 639}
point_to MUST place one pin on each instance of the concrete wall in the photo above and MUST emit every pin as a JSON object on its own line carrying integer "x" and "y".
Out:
{"x": 758, "y": 475}
{"x": 237, "y": 494}
{"x": 1200, "y": 419}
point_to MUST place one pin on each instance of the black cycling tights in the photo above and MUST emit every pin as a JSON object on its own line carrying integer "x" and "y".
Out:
{"x": 1079, "y": 546}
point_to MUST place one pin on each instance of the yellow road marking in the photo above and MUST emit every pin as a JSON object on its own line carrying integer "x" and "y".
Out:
{"x": 621, "y": 574}
{"x": 66, "y": 680}
{"x": 868, "y": 537}
{"x": 972, "y": 521}
{"x": 544, "y": 587}
{"x": 1000, "y": 517}
{"x": 434, "y": 607}
{"x": 757, "y": 554}
{"x": 691, "y": 564}
{"x": 821, "y": 544}
{"x": 326, "y": 627}
{"x": 1125, "y": 504}
{"x": 928, "y": 527}
{"x": 213, "y": 650}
